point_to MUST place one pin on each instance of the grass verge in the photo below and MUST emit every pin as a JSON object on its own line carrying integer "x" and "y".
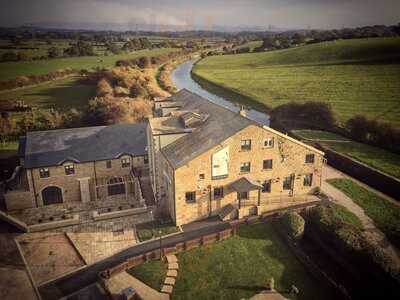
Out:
{"x": 380, "y": 159}
{"x": 151, "y": 230}
{"x": 152, "y": 273}
{"x": 383, "y": 212}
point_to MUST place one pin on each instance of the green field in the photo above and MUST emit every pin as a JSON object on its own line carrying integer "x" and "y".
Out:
{"x": 384, "y": 213}
{"x": 355, "y": 76}
{"x": 251, "y": 45}
{"x": 318, "y": 135}
{"x": 238, "y": 268}
{"x": 61, "y": 94}
{"x": 10, "y": 70}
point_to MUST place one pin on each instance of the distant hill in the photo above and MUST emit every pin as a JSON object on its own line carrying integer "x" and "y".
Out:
{"x": 355, "y": 76}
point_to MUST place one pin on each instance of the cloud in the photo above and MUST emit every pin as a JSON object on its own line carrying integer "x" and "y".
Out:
{"x": 207, "y": 13}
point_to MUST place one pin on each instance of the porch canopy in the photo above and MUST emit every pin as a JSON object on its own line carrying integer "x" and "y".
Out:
{"x": 245, "y": 184}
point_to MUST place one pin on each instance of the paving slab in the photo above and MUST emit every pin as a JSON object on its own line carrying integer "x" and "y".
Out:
{"x": 173, "y": 266}
{"x": 169, "y": 281}
{"x": 171, "y": 258}
{"x": 167, "y": 289}
{"x": 172, "y": 273}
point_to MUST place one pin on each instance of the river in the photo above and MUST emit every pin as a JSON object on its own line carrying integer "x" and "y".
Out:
{"x": 182, "y": 79}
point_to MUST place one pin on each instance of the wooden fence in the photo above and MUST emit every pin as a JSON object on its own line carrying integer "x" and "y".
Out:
{"x": 179, "y": 247}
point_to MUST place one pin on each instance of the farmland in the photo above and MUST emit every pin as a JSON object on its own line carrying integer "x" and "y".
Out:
{"x": 354, "y": 76}
{"x": 10, "y": 70}
{"x": 64, "y": 93}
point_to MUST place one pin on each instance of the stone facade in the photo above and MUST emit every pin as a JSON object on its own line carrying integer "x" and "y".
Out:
{"x": 79, "y": 186}
{"x": 288, "y": 160}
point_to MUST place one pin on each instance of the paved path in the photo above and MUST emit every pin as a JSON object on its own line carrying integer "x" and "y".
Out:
{"x": 81, "y": 278}
{"x": 369, "y": 225}
{"x": 116, "y": 284}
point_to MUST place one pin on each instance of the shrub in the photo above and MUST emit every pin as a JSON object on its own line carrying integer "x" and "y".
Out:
{"x": 294, "y": 225}
{"x": 316, "y": 114}
{"x": 104, "y": 88}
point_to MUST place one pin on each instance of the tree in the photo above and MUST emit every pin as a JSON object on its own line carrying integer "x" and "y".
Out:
{"x": 298, "y": 38}
{"x": 54, "y": 52}
{"x": 113, "y": 48}
{"x": 7, "y": 127}
{"x": 268, "y": 43}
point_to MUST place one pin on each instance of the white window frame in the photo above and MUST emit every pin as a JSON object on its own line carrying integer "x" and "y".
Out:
{"x": 268, "y": 143}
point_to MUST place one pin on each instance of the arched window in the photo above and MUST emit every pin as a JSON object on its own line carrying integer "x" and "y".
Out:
{"x": 115, "y": 186}
{"x": 52, "y": 195}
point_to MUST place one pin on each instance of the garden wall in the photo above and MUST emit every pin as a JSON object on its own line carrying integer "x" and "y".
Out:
{"x": 366, "y": 174}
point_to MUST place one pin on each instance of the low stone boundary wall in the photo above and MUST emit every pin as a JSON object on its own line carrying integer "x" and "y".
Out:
{"x": 54, "y": 224}
{"x": 14, "y": 221}
{"x": 118, "y": 213}
{"x": 366, "y": 174}
{"x": 179, "y": 247}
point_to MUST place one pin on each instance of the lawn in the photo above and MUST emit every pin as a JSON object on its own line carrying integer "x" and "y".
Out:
{"x": 383, "y": 212}
{"x": 10, "y": 70}
{"x": 319, "y": 135}
{"x": 239, "y": 267}
{"x": 380, "y": 159}
{"x": 147, "y": 231}
{"x": 354, "y": 76}
{"x": 152, "y": 273}
{"x": 8, "y": 149}
{"x": 64, "y": 94}
{"x": 343, "y": 214}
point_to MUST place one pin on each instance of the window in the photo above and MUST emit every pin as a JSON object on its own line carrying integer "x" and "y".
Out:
{"x": 202, "y": 176}
{"x": 108, "y": 164}
{"x": 266, "y": 186}
{"x": 69, "y": 169}
{"x": 44, "y": 173}
{"x": 269, "y": 143}
{"x": 310, "y": 158}
{"x": 115, "y": 186}
{"x": 190, "y": 197}
{"x": 267, "y": 164}
{"x": 126, "y": 162}
{"x": 245, "y": 145}
{"x": 287, "y": 183}
{"x": 245, "y": 167}
{"x": 218, "y": 192}
{"x": 308, "y": 179}
{"x": 243, "y": 195}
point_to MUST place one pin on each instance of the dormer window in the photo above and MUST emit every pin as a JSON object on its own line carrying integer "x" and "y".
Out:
{"x": 69, "y": 169}
{"x": 126, "y": 162}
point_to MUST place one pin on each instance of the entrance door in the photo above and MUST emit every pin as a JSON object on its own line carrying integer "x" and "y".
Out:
{"x": 242, "y": 196}
{"x": 52, "y": 195}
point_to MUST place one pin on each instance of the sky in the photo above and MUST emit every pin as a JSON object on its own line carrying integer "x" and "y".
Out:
{"x": 195, "y": 14}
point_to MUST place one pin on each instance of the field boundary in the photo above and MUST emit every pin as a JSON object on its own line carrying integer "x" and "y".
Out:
{"x": 372, "y": 177}
{"x": 227, "y": 93}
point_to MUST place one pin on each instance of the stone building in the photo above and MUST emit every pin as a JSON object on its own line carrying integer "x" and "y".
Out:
{"x": 79, "y": 164}
{"x": 206, "y": 160}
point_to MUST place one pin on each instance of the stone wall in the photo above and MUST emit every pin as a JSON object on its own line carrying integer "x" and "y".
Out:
{"x": 70, "y": 185}
{"x": 370, "y": 176}
{"x": 187, "y": 177}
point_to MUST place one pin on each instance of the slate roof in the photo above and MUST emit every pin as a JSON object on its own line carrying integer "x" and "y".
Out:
{"x": 54, "y": 147}
{"x": 245, "y": 184}
{"x": 220, "y": 125}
